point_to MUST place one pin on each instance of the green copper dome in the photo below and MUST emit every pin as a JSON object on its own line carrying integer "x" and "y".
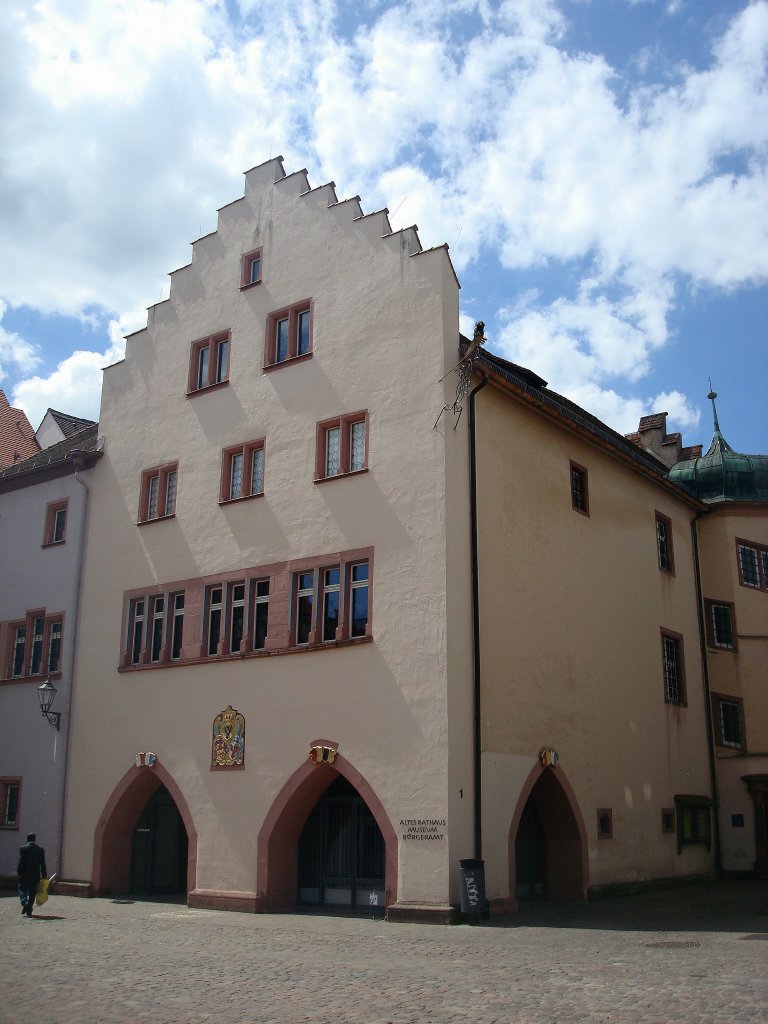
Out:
{"x": 722, "y": 474}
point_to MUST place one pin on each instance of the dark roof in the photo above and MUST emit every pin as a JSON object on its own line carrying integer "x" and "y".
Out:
{"x": 69, "y": 425}
{"x": 536, "y": 388}
{"x": 58, "y": 457}
{"x": 17, "y": 438}
{"x": 723, "y": 474}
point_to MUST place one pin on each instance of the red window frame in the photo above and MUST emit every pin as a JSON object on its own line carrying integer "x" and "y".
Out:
{"x": 247, "y": 452}
{"x": 52, "y": 520}
{"x": 251, "y": 260}
{"x": 212, "y": 375}
{"x": 162, "y": 474}
{"x": 344, "y": 424}
{"x": 579, "y": 480}
{"x": 290, "y": 314}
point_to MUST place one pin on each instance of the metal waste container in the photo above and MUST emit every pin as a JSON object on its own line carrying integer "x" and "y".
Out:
{"x": 472, "y": 886}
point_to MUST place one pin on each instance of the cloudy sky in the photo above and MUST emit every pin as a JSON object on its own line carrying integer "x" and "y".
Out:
{"x": 597, "y": 167}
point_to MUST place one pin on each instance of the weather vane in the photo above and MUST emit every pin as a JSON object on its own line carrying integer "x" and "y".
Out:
{"x": 465, "y": 368}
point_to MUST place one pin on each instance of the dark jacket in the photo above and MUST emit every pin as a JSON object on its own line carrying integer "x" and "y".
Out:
{"x": 31, "y": 864}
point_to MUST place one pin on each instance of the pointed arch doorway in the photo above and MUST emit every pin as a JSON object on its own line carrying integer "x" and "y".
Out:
{"x": 159, "y": 849}
{"x": 547, "y": 840}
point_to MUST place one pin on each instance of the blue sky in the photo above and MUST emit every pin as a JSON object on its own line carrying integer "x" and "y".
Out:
{"x": 597, "y": 167}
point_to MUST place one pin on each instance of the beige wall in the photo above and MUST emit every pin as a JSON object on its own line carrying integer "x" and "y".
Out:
{"x": 571, "y": 612}
{"x": 385, "y": 330}
{"x": 741, "y": 673}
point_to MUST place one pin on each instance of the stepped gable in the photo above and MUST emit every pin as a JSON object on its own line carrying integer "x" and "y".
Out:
{"x": 58, "y": 458}
{"x": 272, "y": 172}
{"x": 17, "y": 438}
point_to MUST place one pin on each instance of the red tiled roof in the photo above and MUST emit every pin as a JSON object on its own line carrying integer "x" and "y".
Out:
{"x": 17, "y": 438}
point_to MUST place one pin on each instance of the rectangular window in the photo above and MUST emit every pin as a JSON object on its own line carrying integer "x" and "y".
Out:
{"x": 242, "y": 471}
{"x": 209, "y": 363}
{"x": 215, "y": 610}
{"x": 55, "y": 522}
{"x": 674, "y": 669}
{"x": 727, "y": 713}
{"x": 38, "y": 629}
{"x": 236, "y": 616}
{"x": 19, "y": 650}
{"x": 604, "y": 823}
{"x": 579, "y": 489}
{"x": 753, "y": 564}
{"x": 693, "y": 821}
{"x": 344, "y": 612}
{"x": 251, "y": 268}
{"x": 260, "y": 614}
{"x": 341, "y": 446}
{"x": 331, "y": 602}
{"x": 158, "y": 621}
{"x": 136, "y": 629}
{"x": 157, "y": 499}
{"x": 359, "y": 599}
{"x": 305, "y": 591}
{"x": 720, "y": 624}
{"x": 54, "y": 646}
{"x": 288, "y": 334}
{"x": 177, "y": 626}
{"x": 10, "y": 794}
{"x": 664, "y": 543}
{"x": 668, "y": 820}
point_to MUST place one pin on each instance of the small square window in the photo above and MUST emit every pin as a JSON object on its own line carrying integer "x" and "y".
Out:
{"x": 157, "y": 499}
{"x": 288, "y": 334}
{"x": 342, "y": 446}
{"x": 737, "y": 821}
{"x": 251, "y": 269}
{"x": 664, "y": 549}
{"x": 674, "y": 668}
{"x": 579, "y": 489}
{"x": 55, "y": 522}
{"x": 728, "y": 714}
{"x": 720, "y": 625}
{"x": 753, "y": 564}
{"x": 10, "y": 799}
{"x": 209, "y": 363}
{"x": 242, "y": 471}
{"x": 668, "y": 820}
{"x": 604, "y": 823}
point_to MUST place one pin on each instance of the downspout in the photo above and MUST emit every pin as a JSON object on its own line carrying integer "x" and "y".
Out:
{"x": 77, "y": 461}
{"x": 476, "y": 720}
{"x": 707, "y": 697}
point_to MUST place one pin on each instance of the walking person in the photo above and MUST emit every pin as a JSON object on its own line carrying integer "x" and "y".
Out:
{"x": 31, "y": 868}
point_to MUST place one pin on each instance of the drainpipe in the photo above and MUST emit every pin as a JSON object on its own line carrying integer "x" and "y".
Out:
{"x": 476, "y": 721}
{"x": 707, "y": 697}
{"x": 78, "y": 462}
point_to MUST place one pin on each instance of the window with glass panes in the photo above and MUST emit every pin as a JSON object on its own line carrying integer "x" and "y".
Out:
{"x": 242, "y": 474}
{"x": 342, "y": 445}
{"x": 674, "y": 678}
{"x": 753, "y": 564}
{"x": 289, "y": 334}
{"x": 208, "y": 362}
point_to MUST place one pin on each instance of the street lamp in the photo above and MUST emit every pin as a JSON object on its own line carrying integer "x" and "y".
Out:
{"x": 47, "y": 694}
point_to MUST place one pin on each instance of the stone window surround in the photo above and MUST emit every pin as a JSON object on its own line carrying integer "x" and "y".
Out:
{"x": 345, "y": 425}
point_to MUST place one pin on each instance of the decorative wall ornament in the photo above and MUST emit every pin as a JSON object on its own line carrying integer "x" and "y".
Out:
{"x": 322, "y": 754}
{"x": 549, "y": 757}
{"x": 145, "y": 759}
{"x": 465, "y": 368}
{"x": 228, "y": 740}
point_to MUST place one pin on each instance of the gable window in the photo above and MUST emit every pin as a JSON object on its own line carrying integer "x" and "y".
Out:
{"x": 209, "y": 363}
{"x": 674, "y": 668}
{"x": 157, "y": 499}
{"x": 342, "y": 446}
{"x": 55, "y": 522}
{"x": 720, "y": 627}
{"x": 10, "y": 794}
{"x": 727, "y": 714}
{"x": 753, "y": 564}
{"x": 289, "y": 334}
{"x": 242, "y": 471}
{"x": 579, "y": 489}
{"x": 251, "y": 269}
{"x": 664, "y": 543}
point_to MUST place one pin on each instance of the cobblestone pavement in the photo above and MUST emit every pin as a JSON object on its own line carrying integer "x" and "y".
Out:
{"x": 687, "y": 955}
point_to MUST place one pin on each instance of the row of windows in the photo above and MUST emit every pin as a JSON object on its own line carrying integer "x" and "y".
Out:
{"x": 341, "y": 449}
{"x": 329, "y": 602}
{"x": 690, "y": 821}
{"x": 32, "y": 645}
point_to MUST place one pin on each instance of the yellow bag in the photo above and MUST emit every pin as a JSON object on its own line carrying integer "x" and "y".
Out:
{"x": 42, "y": 892}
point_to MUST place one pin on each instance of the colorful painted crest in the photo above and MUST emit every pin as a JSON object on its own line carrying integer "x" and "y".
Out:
{"x": 228, "y": 741}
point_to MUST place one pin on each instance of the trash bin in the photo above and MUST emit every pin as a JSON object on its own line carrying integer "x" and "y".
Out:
{"x": 472, "y": 886}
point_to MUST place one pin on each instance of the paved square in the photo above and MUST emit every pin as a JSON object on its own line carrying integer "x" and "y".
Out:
{"x": 686, "y": 955}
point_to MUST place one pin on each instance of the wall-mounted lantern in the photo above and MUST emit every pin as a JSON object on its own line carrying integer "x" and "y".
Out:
{"x": 47, "y": 694}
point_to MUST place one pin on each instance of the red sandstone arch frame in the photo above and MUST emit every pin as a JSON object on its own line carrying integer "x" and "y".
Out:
{"x": 114, "y": 832}
{"x": 567, "y": 860}
{"x": 277, "y": 868}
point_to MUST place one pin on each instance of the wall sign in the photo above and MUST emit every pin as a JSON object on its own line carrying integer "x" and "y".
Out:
{"x": 423, "y": 829}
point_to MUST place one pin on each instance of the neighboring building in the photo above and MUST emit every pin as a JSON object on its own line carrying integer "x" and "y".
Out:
{"x": 58, "y": 426}
{"x": 281, "y": 700}
{"x": 43, "y": 508}
{"x": 17, "y": 438}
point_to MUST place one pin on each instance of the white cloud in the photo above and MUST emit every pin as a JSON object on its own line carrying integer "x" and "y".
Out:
{"x": 133, "y": 119}
{"x": 14, "y": 350}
